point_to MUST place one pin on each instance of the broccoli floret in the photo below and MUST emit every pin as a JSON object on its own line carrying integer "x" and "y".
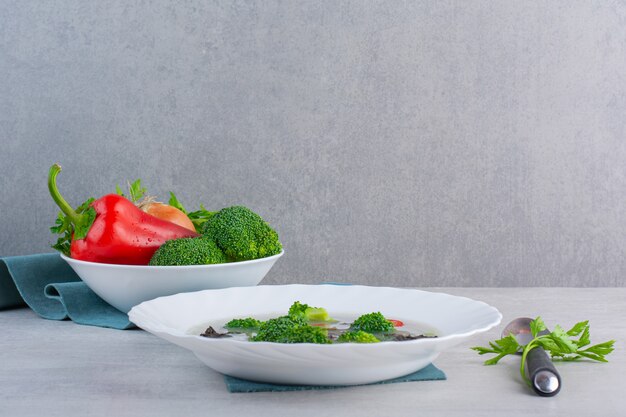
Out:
{"x": 246, "y": 325}
{"x": 372, "y": 323}
{"x": 358, "y": 336}
{"x": 273, "y": 329}
{"x": 308, "y": 312}
{"x": 297, "y": 309}
{"x": 288, "y": 329}
{"x": 306, "y": 334}
{"x": 242, "y": 234}
{"x": 188, "y": 251}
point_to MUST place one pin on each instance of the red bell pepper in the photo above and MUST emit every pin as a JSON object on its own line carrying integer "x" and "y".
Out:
{"x": 113, "y": 230}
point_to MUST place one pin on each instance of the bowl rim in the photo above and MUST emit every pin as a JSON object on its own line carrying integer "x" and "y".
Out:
{"x": 154, "y": 325}
{"x": 173, "y": 267}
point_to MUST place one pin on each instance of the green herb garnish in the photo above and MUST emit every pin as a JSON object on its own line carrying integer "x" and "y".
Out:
{"x": 63, "y": 226}
{"x": 135, "y": 191}
{"x": 198, "y": 217}
{"x": 562, "y": 345}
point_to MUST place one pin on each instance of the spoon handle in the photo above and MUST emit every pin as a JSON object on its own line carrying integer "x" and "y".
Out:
{"x": 544, "y": 377}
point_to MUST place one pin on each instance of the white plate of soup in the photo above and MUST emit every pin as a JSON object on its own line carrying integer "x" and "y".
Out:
{"x": 448, "y": 320}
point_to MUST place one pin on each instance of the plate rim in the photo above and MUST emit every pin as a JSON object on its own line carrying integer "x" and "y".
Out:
{"x": 158, "y": 327}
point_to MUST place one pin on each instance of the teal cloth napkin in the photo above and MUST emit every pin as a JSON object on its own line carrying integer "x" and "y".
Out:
{"x": 429, "y": 373}
{"x": 48, "y": 285}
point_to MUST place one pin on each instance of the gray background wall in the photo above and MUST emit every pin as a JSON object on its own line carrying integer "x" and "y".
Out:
{"x": 401, "y": 143}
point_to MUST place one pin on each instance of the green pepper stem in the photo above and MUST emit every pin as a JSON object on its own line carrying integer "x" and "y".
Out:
{"x": 58, "y": 199}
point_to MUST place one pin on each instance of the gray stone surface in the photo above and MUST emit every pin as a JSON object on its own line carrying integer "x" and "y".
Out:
{"x": 62, "y": 369}
{"x": 402, "y": 143}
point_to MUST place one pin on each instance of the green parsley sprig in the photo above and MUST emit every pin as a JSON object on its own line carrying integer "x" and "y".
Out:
{"x": 562, "y": 345}
{"x": 198, "y": 217}
{"x": 63, "y": 226}
{"x": 135, "y": 191}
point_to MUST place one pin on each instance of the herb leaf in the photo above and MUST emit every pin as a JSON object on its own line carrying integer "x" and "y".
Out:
{"x": 506, "y": 346}
{"x": 67, "y": 230}
{"x": 198, "y": 217}
{"x": 578, "y": 328}
{"x": 560, "y": 344}
{"x": 63, "y": 227}
{"x": 175, "y": 203}
{"x": 135, "y": 191}
{"x": 537, "y": 326}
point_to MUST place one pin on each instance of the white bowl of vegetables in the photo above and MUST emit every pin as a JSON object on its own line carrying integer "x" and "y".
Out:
{"x": 129, "y": 250}
{"x": 227, "y": 255}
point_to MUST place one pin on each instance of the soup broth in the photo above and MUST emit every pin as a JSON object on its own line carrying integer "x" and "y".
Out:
{"x": 410, "y": 329}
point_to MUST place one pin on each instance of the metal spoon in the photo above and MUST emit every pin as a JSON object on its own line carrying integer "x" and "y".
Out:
{"x": 544, "y": 377}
